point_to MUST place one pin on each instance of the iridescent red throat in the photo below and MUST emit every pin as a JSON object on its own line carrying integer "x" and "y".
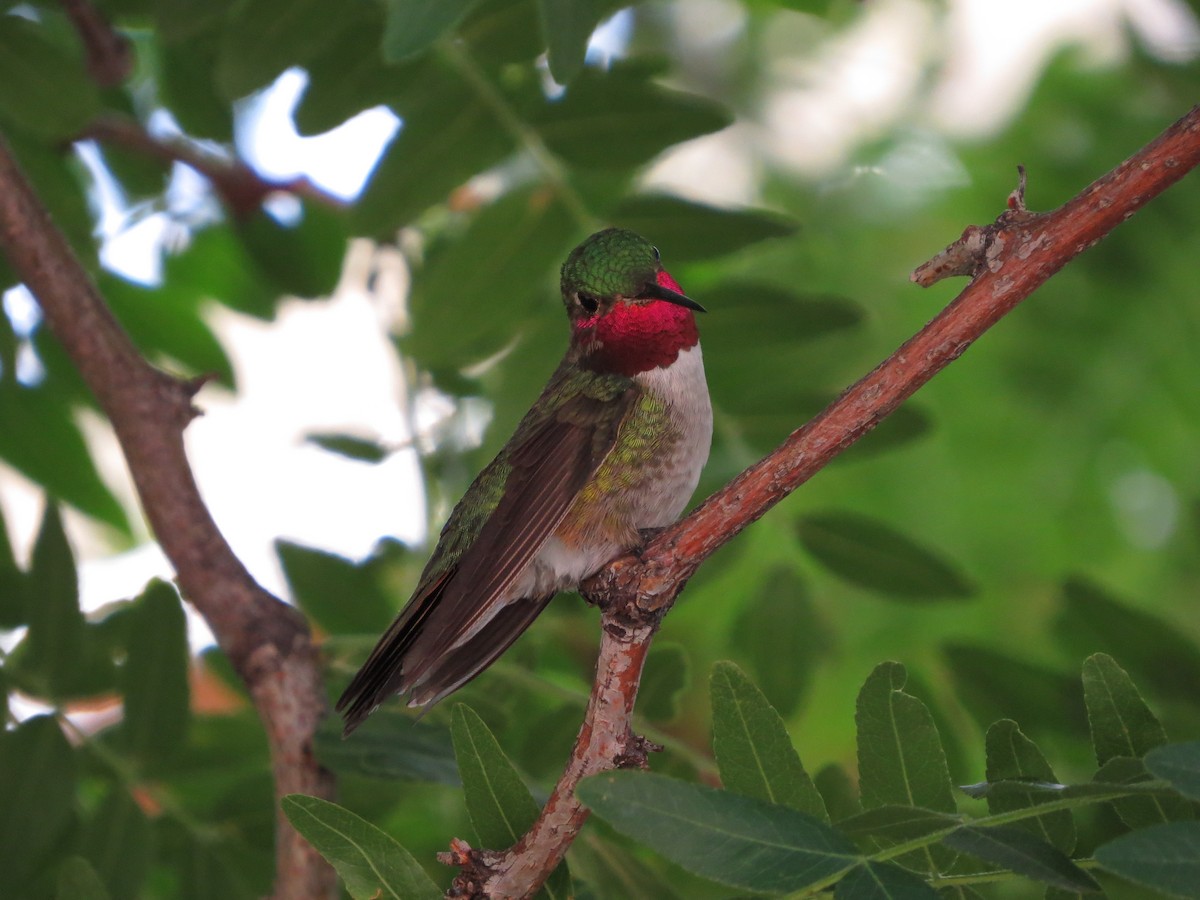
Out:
{"x": 637, "y": 337}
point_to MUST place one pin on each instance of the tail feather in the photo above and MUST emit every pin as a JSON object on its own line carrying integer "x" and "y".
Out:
{"x": 384, "y": 672}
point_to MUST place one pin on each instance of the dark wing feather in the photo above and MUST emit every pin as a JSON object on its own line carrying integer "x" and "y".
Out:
{"x": 548, "y": 469}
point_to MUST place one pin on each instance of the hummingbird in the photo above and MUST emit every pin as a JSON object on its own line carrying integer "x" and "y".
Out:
{"x": 612, "y": 447}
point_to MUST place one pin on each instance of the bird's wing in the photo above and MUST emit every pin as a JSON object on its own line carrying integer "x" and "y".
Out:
{"x": 465, "y": 586}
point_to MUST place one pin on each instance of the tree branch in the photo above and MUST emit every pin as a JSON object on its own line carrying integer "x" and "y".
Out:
{"x": 1007, "y": 260}
{"x": 267, "y": 641}
{"x": 109, "y": 53}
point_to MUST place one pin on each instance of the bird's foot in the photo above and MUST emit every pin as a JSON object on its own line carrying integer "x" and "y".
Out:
{"x": 649, "y": 534}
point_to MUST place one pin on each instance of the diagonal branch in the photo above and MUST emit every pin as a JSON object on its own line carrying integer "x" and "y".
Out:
{"x": 1007, "y": 260}
{"x": 267, "y": 641}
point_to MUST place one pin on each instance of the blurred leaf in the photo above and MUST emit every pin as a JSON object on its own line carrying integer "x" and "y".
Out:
{"x": 617, "y": 119}
{"x": 44, "y": 88}
{"x": 897, "y": 823}
{"x": 217, "y": 266}
{"x": 693, "y": 232}
{"x": 1016, "y": 849}
{"x": 1011, "y": 756}
{"x": 167, "y": 321}
{"x": 753, "y": 750}
{"x": 187, "y": 84}
{"x": 389, "y": 745}
{"x": 412, "y": 25}
{"x": 838, "y": 792}
{"x": 1157, "y": 652}
{"x": 997, "y": 686}
{"x": 41, "y": 440}
{"x": 262, "y": 38}
{"x": 475, "y": 291}
{"x": 1179, "y": 764}
{"x": 118, "y": 843}
{"x": 304, "y": 259}
{"x": 900, "y": 757}
{"x": 54, "y": 644}
{"x": 345, "y": 597}
{"x": 732, "y": 839}
{"x": 665, "y": 678}
{"x": 371, "y": 864}
{"x": 349, "y": 446}
{"x": 882, "y": 881}
{"x": 567, "y": 25}
{"x": 37, "y": 782}
{"x": 767, "y": 318}
{"x": 449, "y": 135}
{"x": 1121, "y": 722}
{"x": 13, "y": 604}
{"x": 181, "y": 21}
{"x": 872, "y": 555}
{"x": 61, "y": 185}
{"x": 782, "y": 639}
{"x": 154, "y": 678}
{"x": 207, "y": 867}
{"x": 77, "y": 880}
{"x": 1163, "y": 857}
{"x": 500, "y": 805}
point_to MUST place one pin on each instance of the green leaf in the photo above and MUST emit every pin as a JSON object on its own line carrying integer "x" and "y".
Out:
{"x": 345, "y": 597}
{"x": 753, "y": 750}
{"x": 349, "y": 446}
{"x": 897, "y": 823}
{"x": 54, "y": 644}
{"x": 262, "y": 38}
{"x": 732, "y": 839}
{"x": 1018, "y": 850}
{"x": 117, "y": 842}
{"x": 217, "y": 266}
{"x": 1137, "y": 812}
{"x": 13, "y": 601}
{"x": 42, "y": 441}
{"x": 998, "y": 686}
{"x": 187, "y": 85}
{"x": 37, "y": 782}
{"x": 1158, "y": 653}
{"x": 617, "y": 120}
{"x": 155, "y": 677}
{"x": 472, "y": 296}
{"x": 412, "y": 25}
{"x": 1162, "y": 857}
{"x": 664, "y": 680}
{"x": 449, "y": 135}
{"x": 782, "y": 639}
{"x": 389, "y": 745}
{"x": 882, "y": 881}
{"x": 1178, "y": 764}
{"x": 838, "y": 792}
{"x": 1121, "y": 722}
{"x": 1011, "y": 756}
{"x": 304, "y": 259}
{"x": 693, "y": 232}
{"x": 77, "y": 880}
{"x": 370, "y": 862}
{"x": 567, "y": 25}
{"x": 900, "y": 757}
{"x": 872, "y": 555}
{"x": 44, "y": 88}
{"x": 500, "y": 805}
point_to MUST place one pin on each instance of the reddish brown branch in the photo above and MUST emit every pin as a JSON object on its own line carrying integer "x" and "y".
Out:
{"x": 1008, "y": 261}
{"x": 108, "y": 52}
{"x": 267, "y": 641}
{"x": 240, "y": 188}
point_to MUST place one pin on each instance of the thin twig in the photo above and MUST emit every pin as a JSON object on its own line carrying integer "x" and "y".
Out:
{"x": 109, "y": 53}
{"x": 267, "y": 641}
{"x": 240, "y": 188}
{"x": 1008, "y": 261}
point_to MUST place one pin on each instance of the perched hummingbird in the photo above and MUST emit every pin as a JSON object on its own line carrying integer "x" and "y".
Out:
{"x": 614, "y": 444}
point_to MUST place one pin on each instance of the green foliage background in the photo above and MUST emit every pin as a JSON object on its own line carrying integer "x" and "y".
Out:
{"x": 1037, "y": 503}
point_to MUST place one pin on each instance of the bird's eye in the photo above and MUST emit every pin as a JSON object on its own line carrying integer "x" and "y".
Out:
{"x": 588, "y": 302}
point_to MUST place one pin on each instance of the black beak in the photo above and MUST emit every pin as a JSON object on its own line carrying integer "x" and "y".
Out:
{"x": 658, "y": 292}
